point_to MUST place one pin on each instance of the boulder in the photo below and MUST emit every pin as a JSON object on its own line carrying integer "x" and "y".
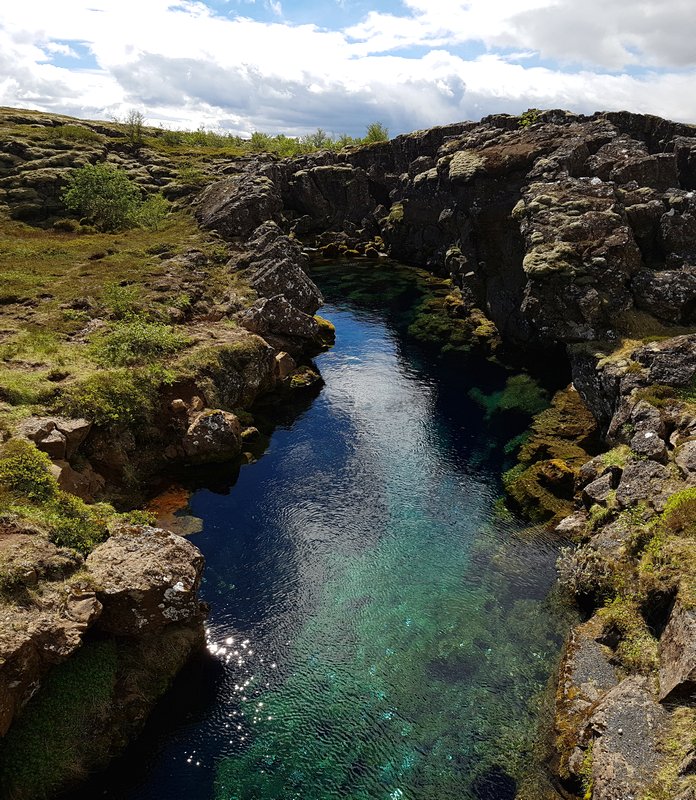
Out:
{"x": 277, "y": 316}
{"x": 284, "y": 365}
{"x": 147, "y": 579}
{"x": 85, "y": 483}
{"x": 669, "y": 295}
{"x": 599, "y": 490}
{"x": 213, "y": 435}
{"x": 645, "y": 481}
{"x": 678, "y": 655}
{"x": 671, "y": 362}
{"x": 647, "y": 443}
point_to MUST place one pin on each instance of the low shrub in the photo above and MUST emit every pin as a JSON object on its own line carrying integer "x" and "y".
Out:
{"x": 24, "y": 471}
{"x": 153, "y": 212}
{"x": 111, "y": 398}
{"x": 104, "y": 195}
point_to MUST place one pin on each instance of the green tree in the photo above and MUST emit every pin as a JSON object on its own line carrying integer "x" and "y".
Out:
{"x": 104, "y": 195}
{"x": 376, "y": 132}
{"x": 318, "y": 139}
{"x": 134, "y": 122}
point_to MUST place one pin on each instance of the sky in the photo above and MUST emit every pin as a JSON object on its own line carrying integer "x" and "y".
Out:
{"x": 292, "y": 66}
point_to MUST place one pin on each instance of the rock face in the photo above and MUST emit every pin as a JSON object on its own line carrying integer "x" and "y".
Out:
{"x": 625, "y": 729}
{"x": 678, "y": 655}
{"x": 560, "y": 231}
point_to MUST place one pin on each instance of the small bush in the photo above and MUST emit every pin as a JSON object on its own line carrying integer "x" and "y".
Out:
{"x": 153, "y": 212}
{"x": 103, "y": 195}
{"x": 376, "y": 132}
{"x": 72, "y": 523}
{"x": 134, "y": 122}
{"x": 121, "y": 301}
{"x": 24, "y": 471}
{"x": 135, "y": 341}
{"x": 111, "y": 398}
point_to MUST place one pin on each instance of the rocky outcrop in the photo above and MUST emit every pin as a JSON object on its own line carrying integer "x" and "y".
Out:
{"x": 138, "y": 583}
{"x": 274, "y": 264}
{"x": 236, "y": 206}
{"x": 277, "y": 316}
{"x": 36, "y": 636}
{"x": 559, "y": 231}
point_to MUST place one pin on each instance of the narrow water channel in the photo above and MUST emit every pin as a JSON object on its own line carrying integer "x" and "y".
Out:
{"x": 378, "y": 630}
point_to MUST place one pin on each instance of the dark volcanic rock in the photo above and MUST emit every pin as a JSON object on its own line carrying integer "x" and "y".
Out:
{"x": 273, "y": 264}
{"x": 278, "y": 316}
{"x": 625, "y": 729}
{"x": 235, "y": 206}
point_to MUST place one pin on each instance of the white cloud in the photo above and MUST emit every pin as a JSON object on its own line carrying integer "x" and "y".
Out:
{"x": 183, "y": 65}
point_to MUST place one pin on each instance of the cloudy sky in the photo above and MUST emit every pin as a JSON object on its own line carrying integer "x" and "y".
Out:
{"x": 294, "y": 65}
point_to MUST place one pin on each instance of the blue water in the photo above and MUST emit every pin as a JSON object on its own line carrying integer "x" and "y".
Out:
{"x": 378, "y": 630}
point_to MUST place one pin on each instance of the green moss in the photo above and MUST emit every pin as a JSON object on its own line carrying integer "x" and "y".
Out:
{"x": 327, "y": 330}
{"x": 396, "y": 213}
{"x": 542, "y": 491}
{"x": 598, "y": 515}
{"x": 659, "y": 395}
{"x": 522, "y": 394}
{"x": 636, "y": 648}
{"x": 679, "y": 516}
{"x": 48, "y": 745}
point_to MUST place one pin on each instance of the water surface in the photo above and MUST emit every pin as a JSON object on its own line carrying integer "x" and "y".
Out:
{"x": 378, "y": 630}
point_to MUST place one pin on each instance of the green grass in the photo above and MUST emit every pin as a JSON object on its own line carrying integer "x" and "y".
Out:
{"x": 136, "y": 341}
{"x": 49, "y": 743}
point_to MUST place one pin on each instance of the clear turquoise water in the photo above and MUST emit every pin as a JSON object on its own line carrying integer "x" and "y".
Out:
{"x": 377, "y": 631}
